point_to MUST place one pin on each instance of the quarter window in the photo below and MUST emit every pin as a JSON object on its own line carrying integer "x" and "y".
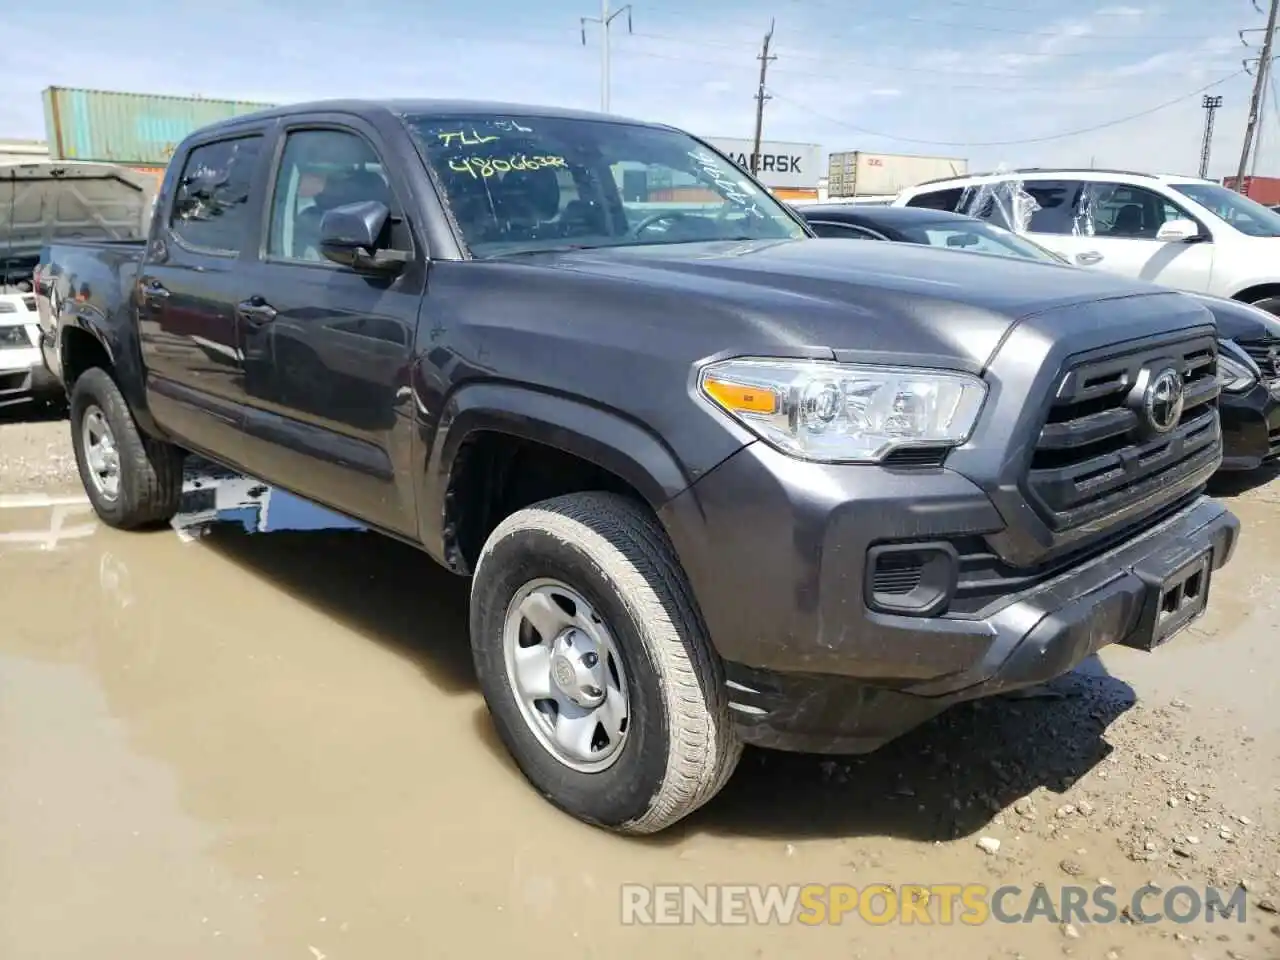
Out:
{"x": 320, "y": 170}
{"x": 947, "y": 200}
{"x": 211, "y": 202}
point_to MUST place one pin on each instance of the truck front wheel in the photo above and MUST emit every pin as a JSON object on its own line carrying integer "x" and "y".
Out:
{"x": 596, "y": 666}
{"x": 132, "y": 480}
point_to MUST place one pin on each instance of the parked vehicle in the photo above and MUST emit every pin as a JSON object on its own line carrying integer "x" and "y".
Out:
{"x": 1248, "y": 370}
{"x": 1189, "y": 234}
{"x": 714, "y": 480}
{"x": 23, "y": 375}
{"x": 42, "y": 201}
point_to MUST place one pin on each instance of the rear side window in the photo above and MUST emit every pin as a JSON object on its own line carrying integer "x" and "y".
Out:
{"x": 211, "y": 203}
{"x": 1056, "y": 205}
{"x": 938, "y": 200}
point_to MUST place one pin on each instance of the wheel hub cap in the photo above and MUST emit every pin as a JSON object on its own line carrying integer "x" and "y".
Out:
{"x": 566, "y": 674}
{"x": 576, "y": 669}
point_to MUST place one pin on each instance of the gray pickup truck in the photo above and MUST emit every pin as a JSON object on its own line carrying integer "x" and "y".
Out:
{"x": 715, "y": 481}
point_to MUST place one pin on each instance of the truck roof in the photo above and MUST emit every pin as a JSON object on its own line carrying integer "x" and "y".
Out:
{"x": 406, "y": 107}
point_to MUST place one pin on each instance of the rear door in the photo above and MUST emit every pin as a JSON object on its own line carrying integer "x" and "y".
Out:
{"x": 188, "y": 286}
{"x": 327, "y": 350}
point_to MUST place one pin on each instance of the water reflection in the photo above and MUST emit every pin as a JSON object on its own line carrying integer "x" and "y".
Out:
{"x": 212, "y": 494}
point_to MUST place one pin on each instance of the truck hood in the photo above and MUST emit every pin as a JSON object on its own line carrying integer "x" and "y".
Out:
{"x": 899, "y": 299}
{"x": 59, "y": 200}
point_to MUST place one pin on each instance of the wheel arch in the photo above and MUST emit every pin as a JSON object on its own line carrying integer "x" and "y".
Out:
{"x": 619, "y": 453}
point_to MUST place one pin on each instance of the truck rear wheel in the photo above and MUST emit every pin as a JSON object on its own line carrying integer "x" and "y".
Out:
{"x": 132, "y": 480}
{"x": 596, "y": 666}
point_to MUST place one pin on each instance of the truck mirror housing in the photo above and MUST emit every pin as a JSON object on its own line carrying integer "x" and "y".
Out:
{"x": 349, "y": 236}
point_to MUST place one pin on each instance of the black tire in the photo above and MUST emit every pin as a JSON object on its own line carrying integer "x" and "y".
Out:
{"x": 150, "y": 470}
{"x": 1269, "y": 304}
{"x": 680, "y": 747}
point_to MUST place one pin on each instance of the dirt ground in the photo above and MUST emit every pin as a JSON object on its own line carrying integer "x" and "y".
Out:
{"x": 222, "y": 742}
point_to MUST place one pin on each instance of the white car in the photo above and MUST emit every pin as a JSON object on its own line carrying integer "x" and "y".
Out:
{"x": 23, "y": 376}
{"x": 1181, "y": 232}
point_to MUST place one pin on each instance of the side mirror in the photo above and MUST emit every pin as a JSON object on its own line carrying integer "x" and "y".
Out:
{"x": 1178, "y": 231}
{"x": 349, "y": 236}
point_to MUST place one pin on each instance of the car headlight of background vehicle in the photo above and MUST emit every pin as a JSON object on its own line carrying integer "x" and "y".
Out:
{"x": 844, "y": 412}
{"x": 1236, "y": 370}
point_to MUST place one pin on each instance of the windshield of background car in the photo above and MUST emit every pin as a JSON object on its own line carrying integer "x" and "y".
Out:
{"x": 524, "y": 184}
{"x": 977, "y": 237}
{"x": 1247, "y": 216}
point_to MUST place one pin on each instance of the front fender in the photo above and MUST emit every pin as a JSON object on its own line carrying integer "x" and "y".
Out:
{"x": 606, "y": 438}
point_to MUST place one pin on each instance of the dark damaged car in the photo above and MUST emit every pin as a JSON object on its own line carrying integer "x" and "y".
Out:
{"x": 715, "y": 481}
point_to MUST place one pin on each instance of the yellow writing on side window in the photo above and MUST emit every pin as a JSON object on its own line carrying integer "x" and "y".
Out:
{"x": 482, "y": 168}
{"x": 474, "y": 140}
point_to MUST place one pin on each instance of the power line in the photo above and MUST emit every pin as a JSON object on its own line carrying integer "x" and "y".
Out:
{"x": 981, "y": 28}
{"x": 1009, "y": 143}
{"x": 1014, "y": 85}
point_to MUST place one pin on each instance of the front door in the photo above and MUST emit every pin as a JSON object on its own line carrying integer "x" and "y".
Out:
{"x": 1116, "y": 232}
{"x": 186, "y": 293}
{"x": 328, "y": 351}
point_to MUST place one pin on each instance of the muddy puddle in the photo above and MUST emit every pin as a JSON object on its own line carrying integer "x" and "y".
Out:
{"x": 258, "y": 735}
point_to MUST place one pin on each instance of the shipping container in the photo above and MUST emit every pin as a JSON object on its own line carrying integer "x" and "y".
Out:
{"x": 782, "y": 165}
{"x": 128, "y": 128}
{"x": 853, "y": 173}
{"x": 1265, "y": 190}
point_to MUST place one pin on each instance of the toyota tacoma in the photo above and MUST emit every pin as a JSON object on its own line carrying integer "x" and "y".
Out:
{"x": 715, "y": 480}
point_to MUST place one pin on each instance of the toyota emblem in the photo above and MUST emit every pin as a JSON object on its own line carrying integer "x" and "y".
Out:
{"x": 1163, "y": 400}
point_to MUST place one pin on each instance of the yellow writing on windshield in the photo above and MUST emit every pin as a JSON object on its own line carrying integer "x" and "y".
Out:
{"x": 482, "y": 168}
{"x": 461, "y": 136}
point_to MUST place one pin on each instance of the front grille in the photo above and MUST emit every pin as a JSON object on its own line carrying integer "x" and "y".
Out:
{"x": 1096, "y": 453}
{"x": 30, "y": 303}
{"x": 1265, "y": 352}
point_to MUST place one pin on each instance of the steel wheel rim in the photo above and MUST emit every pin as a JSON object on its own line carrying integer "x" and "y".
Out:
{"x": 566, "y": 675}
{"x": 102, "y": 456}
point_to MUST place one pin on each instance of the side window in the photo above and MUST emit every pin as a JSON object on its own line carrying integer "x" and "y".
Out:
{"x": 1054, "y": 206}
{"x": 1125, "y": 212}
{"x": 843, "y": 231}
{"x": 938, "y": 199}
{"x": 320, "y": 170}
{"x": 211, "y": 202}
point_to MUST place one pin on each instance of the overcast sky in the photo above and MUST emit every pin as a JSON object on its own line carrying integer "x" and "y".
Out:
{"x": 946, "y": 77}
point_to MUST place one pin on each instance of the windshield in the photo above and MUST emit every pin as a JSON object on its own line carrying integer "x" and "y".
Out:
{"x": 977, "y": 237}
{"x": 1247, "y": 216}
{"x": 524, "y": 184}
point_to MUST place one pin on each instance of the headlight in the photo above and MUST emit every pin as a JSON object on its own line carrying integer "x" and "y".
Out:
{"x": 14, "y": 336}
{"x": 1234, "y": 375}
{"x": 845, "y": 412}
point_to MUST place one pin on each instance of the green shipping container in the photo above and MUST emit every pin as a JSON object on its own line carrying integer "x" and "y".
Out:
{"x": 128, "y": 128}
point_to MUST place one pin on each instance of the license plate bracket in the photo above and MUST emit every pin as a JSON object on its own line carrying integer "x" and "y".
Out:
{"x": 1173, "y": 601}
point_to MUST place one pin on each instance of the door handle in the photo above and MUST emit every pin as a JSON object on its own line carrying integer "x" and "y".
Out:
{"x": 1087, "y": 259}
{"x": 256, "y": 311}
{"x": 153, "y": 289}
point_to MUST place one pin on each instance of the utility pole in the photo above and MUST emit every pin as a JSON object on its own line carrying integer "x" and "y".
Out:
{"x": 1211, "y": 105}
{"x": 762, "y": 95}
{"x": 605, "y": 20}
{"x": 1264, "y": 68}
